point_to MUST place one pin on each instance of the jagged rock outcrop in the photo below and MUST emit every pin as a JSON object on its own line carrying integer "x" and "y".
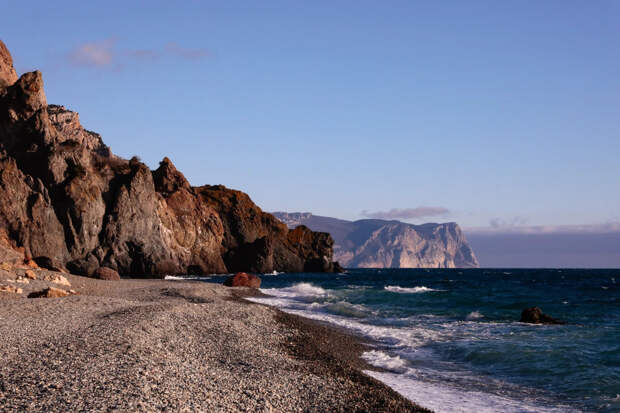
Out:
{"x": 373, "y": 243}
{"x": 251, "y": 235}
{"x": 67, "y": 201}
{"x": 7, "y": 72}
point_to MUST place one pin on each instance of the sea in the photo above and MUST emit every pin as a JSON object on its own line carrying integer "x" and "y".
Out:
{"x": 450, "y": 339}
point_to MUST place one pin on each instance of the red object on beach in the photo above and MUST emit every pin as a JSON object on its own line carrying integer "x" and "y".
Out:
{"x": 108, "y": 274}
{"x": 242, "y": 279}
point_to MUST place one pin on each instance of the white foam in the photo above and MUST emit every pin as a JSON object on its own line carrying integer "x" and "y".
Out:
{"x": 384, "y": 360}
{"x": 274, "y": 272}
{"x": 474, "y": 315}
{"x": 413, "y": 290}
{"x": 409, "y": 337}
{"x": 441, "y": 398}
{"x": 188, "y": 278}
{"x": 297, "y": 290}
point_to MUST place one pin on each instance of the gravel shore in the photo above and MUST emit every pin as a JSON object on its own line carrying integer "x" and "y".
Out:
{"x": 175, "y": 346}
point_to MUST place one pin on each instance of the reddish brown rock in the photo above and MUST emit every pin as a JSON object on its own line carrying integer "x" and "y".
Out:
{"x": 57, "y": 279}
{"x": 7, "y": 72}
{"x": 10, "y": 289}
{"x": 50, "y": 292}
{"x": 30, "y": 275}
{"x": 68, "y": 201}
{"x": 105, "y": 273}
{"x": 242, "y": 279}
{"x": 49, "y": 264}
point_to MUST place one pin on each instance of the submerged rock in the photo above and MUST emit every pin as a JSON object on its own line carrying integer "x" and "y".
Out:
{"x": 534, "y": 315}
{"x": 242, "y": 279}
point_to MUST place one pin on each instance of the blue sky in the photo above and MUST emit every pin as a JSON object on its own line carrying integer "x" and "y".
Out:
{"x": 502, "y": 113}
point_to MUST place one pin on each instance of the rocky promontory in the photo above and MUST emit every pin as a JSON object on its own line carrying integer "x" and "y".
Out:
{"x": 377, "y": 243}
{"x": 68, "y": 201}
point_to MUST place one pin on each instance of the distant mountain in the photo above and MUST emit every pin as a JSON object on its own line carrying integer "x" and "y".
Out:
{"x": 376, "y": 243}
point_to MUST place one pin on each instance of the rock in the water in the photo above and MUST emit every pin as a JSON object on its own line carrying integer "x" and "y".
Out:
{"x": 105, "y": 273}
{"x": 534, "y": 315}
{"x": 242, "y": 279}
{"x": 10, "y": 289}
{"x": 50, "y": 292}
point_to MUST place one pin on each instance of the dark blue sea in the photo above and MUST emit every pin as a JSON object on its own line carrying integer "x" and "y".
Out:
{"x": 451, "y": 340}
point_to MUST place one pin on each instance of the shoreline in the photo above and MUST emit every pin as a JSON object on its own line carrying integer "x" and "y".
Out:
{"x": 157, "y": 345}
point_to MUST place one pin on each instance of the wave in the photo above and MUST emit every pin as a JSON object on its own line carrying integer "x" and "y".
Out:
{"x": 442, "y": 398}
{"x": 187, "y": 278}
{"x": 297, "y": 290}
{"x": 274, "y": 272}
{"x": 404, "y": 290}
{"x": 410, "y": 337}
{"x": 385, "y": 361}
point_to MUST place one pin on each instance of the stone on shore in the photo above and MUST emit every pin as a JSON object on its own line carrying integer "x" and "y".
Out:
{"x": 10, "y": 289}
{"x": 57, "y": 279}
{"x": 534, "y": 315}
{"x": 30, "y": 275}
{"x": 49, "y": 292}
{"x": 108, "y": 274}
{"x": 49, "y": 264}
{"x": 242, "y": 279}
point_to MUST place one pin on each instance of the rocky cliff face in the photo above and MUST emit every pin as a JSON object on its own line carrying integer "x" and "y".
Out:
{"x": 373, "y": 243}
{"x": 66, "y": 198}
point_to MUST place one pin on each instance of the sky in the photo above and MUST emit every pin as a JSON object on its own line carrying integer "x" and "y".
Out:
{"x": 501, "y": 116}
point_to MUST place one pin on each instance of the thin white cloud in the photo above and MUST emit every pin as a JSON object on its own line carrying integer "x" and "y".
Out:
{"x": 94, "y": 54}
{"x": 609, "y": 227}
{"x": 407, "y": 213}
{"x": 499, "y": 223}
{"x": 108, "y": 54}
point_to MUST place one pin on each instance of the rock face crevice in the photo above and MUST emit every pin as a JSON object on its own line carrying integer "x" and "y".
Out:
{"x": 67, "y": 199}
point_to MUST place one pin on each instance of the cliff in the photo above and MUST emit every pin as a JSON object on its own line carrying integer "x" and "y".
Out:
{"x": 66, "y": 199}
{"x": 374, "y": 243}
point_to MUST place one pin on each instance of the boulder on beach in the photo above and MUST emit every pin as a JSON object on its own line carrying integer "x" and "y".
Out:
{"x": 534, "y": 315}
{"x": 49, "y": 292}
{"x": 57, "y": 279}
{"x": 10, "y": 289}
{"x": 49, "y": 264}
{"x": 106, "y": 273}
{"x": 242, "y": 279}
